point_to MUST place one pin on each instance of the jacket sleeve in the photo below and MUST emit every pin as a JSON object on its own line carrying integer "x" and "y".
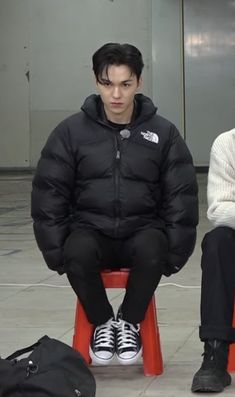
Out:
{"x": 179, "y": 202}
{"x": 51, "y": 199}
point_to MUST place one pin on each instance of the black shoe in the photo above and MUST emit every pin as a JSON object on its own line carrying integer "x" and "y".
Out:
{"x": 128, "y": 341}
{"x": 102, "y": 346}
{"x": 213, "y": 375}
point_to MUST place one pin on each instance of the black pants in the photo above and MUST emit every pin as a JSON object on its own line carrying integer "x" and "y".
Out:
{"x": 218, "y": 285}
{"x": 87, "y": 252}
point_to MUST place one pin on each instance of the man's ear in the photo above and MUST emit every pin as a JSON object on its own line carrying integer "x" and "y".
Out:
{"x": 140, "y": 82}
{"x": 96, "y": 81}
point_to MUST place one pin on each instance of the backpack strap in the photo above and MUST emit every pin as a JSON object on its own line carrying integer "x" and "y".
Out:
{"x": 27, "y": 349}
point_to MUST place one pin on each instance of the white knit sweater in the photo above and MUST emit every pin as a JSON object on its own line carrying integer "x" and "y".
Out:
{"x": 221, "y": 181}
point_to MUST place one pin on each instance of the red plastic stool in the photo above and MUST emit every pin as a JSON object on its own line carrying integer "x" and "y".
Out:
{"x": 152, "y": 356}
{"x": 231, "y": 357}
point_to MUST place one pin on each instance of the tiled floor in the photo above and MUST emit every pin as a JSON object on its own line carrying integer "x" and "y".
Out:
{"x": 35, "y": 301}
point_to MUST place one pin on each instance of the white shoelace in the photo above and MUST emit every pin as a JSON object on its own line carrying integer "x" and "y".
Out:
{"x": 126, "y": 334}
{"x": 104, "y": 334}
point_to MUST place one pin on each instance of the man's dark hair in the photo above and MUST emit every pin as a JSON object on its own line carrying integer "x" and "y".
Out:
{"x": 117, "y": 54}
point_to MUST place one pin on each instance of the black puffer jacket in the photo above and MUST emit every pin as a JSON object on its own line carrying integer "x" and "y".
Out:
{"x": 89, "y": 177}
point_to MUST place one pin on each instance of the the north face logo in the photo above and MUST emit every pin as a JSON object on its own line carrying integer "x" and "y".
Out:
{"x": 150, "y": 136}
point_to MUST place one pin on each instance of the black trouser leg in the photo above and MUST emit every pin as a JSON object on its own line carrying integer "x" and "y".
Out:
{"x": 147, "y": 254}
{"x": 218, "y": 285}
{"x": 84, "y": 252}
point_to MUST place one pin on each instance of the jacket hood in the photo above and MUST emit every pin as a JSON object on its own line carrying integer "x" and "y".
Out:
{"x": 144, "y": 109}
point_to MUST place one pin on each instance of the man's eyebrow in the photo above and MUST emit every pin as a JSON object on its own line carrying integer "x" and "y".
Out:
{"x": 106, "y": 80}
{"x": 128, "y": 80}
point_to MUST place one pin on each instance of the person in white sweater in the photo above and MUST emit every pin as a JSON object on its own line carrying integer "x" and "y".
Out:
{"x": 218, "y": 269}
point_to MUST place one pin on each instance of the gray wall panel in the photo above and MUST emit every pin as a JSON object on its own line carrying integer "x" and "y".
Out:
{"x": 14, "y": 87}
{"x": 167, "y": 60}
{"x": 209, "y": 73}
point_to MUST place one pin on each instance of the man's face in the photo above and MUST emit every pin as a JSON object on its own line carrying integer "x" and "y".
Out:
{"x": 117, "y": 89}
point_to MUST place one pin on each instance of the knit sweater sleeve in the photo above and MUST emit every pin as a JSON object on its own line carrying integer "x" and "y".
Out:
{"x": 221, "y": 181}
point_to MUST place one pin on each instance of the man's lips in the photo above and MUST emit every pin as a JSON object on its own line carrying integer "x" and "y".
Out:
{"x": 116, "y": 103}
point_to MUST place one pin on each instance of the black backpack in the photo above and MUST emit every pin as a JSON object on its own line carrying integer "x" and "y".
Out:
{"x": 53, "y": 369}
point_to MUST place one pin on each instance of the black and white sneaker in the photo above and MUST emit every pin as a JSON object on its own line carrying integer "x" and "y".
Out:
{"x": 102, "y": 346}
{"x": 128, "y": 341}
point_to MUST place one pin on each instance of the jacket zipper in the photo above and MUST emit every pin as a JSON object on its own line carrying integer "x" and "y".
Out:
{"x": 117, "y": 185}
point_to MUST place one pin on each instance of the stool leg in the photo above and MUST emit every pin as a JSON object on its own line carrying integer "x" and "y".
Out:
{"x": 82, "y": 333}
{"x": 231, "y": 357}
{"x": 152, "y": 355}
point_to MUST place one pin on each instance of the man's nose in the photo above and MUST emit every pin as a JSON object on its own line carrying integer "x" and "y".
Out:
{"x": 116, "y": 92}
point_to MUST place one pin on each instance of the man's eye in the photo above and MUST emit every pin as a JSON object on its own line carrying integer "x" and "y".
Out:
{"x": 126, "y": 84}
{"x": 106, "y": 83}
